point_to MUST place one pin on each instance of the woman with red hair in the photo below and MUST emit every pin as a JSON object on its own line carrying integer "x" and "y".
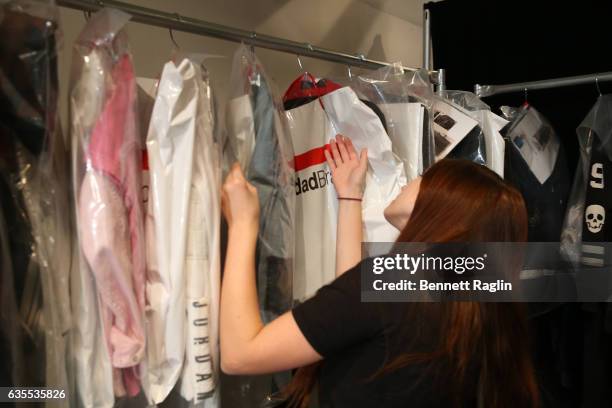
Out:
{"x": 359, "y": 354}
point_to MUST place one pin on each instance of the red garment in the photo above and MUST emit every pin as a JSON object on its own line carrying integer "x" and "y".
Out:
{"x": 306, "y": 86}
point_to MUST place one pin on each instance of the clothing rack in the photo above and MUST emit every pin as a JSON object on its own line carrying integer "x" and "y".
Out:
{"x": 488, "y": 90}
{"x": 175, "y": 21}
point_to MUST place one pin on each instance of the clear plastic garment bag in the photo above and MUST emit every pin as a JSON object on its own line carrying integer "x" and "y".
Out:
{"x": 108, "y": 286}
{"x": 35, "y": 229}
{"x": 586, "y": 228}
{"x": 258, "y": 138}
{"x": 405, "y": 99}
{"x": 312, "y": 126}
{"x": 484, "y": 143}
{"x": 183, "y": 259}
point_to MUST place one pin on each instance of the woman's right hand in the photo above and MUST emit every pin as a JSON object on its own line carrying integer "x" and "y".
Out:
{"x": 348, "y": 170}
{"x": 239, "y": 202}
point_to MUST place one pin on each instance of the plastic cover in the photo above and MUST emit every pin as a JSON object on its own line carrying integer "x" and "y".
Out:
{"x": 258, "y": 137}
{"x": 385, "y": 176}
{"x": 405, "y": 99}
{"x": 312, "y": 126}
{"x": 200, "y": 377}
{"x": 183, "y": 239}
{"x": 108, "y": 286}
{"x": 594, "y": 138}
{"x": 535, "y": 164}
{"x": 170, "y": 143}
{"x": 257, "y": 123}
{"x": 35, "y": 232}
{"x": 484, "y": 143}
{"x": 535, "y": 139}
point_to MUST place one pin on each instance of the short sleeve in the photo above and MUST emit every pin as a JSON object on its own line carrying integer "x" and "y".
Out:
{"x": 335, "y": 319}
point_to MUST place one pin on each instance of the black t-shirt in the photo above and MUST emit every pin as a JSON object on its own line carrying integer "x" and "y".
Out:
{"x": 358, "y": 338}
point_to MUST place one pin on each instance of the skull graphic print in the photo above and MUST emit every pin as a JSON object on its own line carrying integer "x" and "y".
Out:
{"x": 595, "y": 216}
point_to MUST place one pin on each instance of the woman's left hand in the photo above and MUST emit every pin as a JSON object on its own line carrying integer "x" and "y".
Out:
{"x": 348, "y": 169}
{"x": 239, "y": 200}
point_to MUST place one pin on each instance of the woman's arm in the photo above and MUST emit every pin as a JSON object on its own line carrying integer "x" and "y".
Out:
{"x": 332, "y": 320}
{"x": 349, "y": 235}
{"x": 247, "y": 346}
{"x": 348, "y": 174}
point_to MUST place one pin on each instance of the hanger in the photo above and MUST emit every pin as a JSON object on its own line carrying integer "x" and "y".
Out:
{"x": 252, "y": 47}
{"x": 177, "y": 48}
{"x": 597, "y": 86}
{"x": 253, "y": 69}
{"x": 299, "y": 61}
{"x": 172, "y": 39}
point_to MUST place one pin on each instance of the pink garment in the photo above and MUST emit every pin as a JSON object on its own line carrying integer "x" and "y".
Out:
{"x": 112, "y": 237}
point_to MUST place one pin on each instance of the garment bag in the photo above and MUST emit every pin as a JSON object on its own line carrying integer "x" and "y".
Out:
{"x": 312, "y": 126}
{"x": 109, "y": 284}
{"x": 405, "y": 101}
{"x": 585, "y": 243}
{"x": 484, "y": 144}
{"x": 258, "y": 138}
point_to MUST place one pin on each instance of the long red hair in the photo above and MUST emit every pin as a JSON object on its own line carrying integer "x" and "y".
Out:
{"x": 459, "y": 201}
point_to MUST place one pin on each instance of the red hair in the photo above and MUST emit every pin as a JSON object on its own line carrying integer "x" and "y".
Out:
{"x": 459, "y": 201}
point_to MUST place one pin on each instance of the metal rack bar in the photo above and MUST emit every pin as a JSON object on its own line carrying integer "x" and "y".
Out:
{"x": 488, "y": 90}
{"x": 426, "y": 40}
{"x": 178, "y": 22}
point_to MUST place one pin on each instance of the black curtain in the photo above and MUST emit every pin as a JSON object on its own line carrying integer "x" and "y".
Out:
{"x": 493, "y": 42}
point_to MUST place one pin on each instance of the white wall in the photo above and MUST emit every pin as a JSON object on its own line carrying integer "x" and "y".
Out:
{"x": 352, "y": 26}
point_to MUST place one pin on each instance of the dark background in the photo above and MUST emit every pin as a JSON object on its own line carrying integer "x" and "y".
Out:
{"x": 501, "y": 42}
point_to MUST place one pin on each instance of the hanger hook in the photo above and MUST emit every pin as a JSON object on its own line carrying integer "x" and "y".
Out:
{"x": 299, "y": 60}
{"x": 253, "y": 36}
{"x": 525, "y": 90}
{"x": 87, "y": 15}
{"x": 350, "y": 74}
{"x": 597, "y": 85}
{"x": 172, "y": 38}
